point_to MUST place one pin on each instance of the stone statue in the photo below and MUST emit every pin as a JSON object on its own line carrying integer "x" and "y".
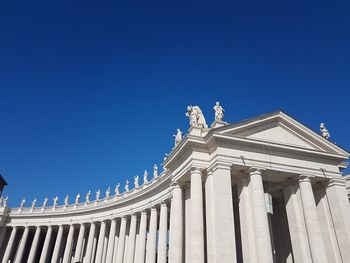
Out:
{"x": 136, "y": 181}
{"x": 196, "y": 117}
{"x": 178, "y": 137}
{"x": 5, "y": 201}
{"x": 33, "y": 203}
{"x": 108, "y": 193}
{"x": 77, "y": 199}
{"x": 324, "y": 131}
{"x": 116, "y": 189}
{"x": 22, "y": 203}
{"x": 46, "y": 200}
{"x": 98, "y": 194}
{"x": 155, "y": 171}
{"x": 55, "y": 201}
{"x": 219, "y": 112}
{"x": 145, "y": 177}
{"x": 66, "y": 199}
{"x": 87, "y": 197}
{"x": 127, "y": 185}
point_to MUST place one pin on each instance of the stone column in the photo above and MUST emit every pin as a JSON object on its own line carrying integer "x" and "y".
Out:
{"x": 131, "y": 241}
{"x": 22, "y": 245}
{"x": 296, "y": 224}
{"x": 101, "y": 238}
{"x": 152, "y": 237}
{"x": 261, "y": 224}
{"x": 2, "y": 235}
{"x": 163, "y": 234}
{"x": 90, "y": 243}
{"x": 221, "y": 243}
{"x": 338, "y": 204}
{"x": 57, "y": 248}
{"x": 187, "y": 226}
{"x": 45, "y": 250}
{"x": 197, "y": 221}
{"x": 313, "y": 227}
{"x": 121, "y": 242}
{"x": 141, "y": 244}
{"x": 246, "y": 219}
{"x": 9, "y": 247}
{"x": 176, "y": 226}
{"x": 111, "y": 239}
{"x": 34, "y": 246}
{"x": 79, "y": 247}
{"x": 67, "y": 257}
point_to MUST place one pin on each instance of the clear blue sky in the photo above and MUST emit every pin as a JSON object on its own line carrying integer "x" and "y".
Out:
{"x": 92, "y": 91}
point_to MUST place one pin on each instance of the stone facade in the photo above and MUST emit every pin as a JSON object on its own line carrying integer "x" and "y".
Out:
{"x": 267, "y": 189}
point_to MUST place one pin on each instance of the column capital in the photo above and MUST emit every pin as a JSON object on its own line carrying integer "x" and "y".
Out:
{"x": 256, "y": 169}
{"x": 304, "y": 178}
{"x": 196, "y": 169}
{"x": 336, "y": 181}
{"x": 219, "y": 165}
{"x": 163, "y": 204}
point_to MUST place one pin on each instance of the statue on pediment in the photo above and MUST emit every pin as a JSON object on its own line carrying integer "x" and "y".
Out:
{"x": 127, "y": 186}
{"x": 136, "y": 181}
{"x": 33, "y": 203}
{"x": 145, "y": 177}
{"x": 46, "y": 200}
{"x": 178, "y": 137}
{"x": 196, "y": 117}
{"x": 22, "y": 203}
{"x": 155, "y": 171}
{"x": 108, "y": 193}
{"x": 324, "y": 131}
{"x": 87, "y": 197}
{"x": 55, "y": 201}
{"x": 77, "y": 199}
{"x": 116, "y": 189}
{"x": 66, "y": 200}
{"x": 98, "y": 194}
{"x": 219, "y": 112}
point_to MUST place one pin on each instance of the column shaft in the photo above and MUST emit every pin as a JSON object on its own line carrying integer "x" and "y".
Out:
{"x": 296, "y": 224}
{"x": 101, "y": 238}
{"x": 246, "y": 219}
{"x": 221, "y": 243}
{"x": 262, "y": 231}
{"x": 2, "y": 235}
{"x": 132, "y": 236}
{"x": 69, "y": 244}
{"x": 79, "y": 247}
{"x": 57, "y": 248}
{"x": 90, "y": 243}
{"x": 34, "y": 246}
{"x": 313, "y": 227}
{"x": 22, "y": 245}
{"x": 111, "y": 239}
{"x": 176, "y": 226}
{"x": 45, "y": 250}
{"x": 152, "y": 238}
{"x": 163, "y": 234}
{"x": 197, "y": 222}
{"x": 121, "y": 242}
{"x": 187, "y": 225}
{"x": 141, "y": 243}
{"x": 9, "y": 247}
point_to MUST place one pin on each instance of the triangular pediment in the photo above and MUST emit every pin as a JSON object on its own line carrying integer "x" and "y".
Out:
{"x": 279, "y": 128}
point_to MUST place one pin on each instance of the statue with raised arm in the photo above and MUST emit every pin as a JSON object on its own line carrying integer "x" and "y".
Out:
{"x": 178, "y": 137}
{"x": 55, "y": 201}
{"x": 219, "y": 112}
{"x": 116, "y": 189}
{"x": 87, "y": 197}
{"x": 324, "y": 131}
{"x": 127, "y": 185}
{"x": 77, "y": 199}
{"x": 108, "y": 193}
{"x": 33, "y": 203}
{"x": 46, "y": 200}
{"x": 155, "y": 171}
{"x": 98, "y": 194}
{"x": 145, "y": 177}
{"x": 136, "y": 181}
{"x": 22, "y": 203}
{"x": 66, "y": 199}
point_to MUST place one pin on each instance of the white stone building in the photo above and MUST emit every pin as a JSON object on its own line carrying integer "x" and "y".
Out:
{"x": 267, "y": 189}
